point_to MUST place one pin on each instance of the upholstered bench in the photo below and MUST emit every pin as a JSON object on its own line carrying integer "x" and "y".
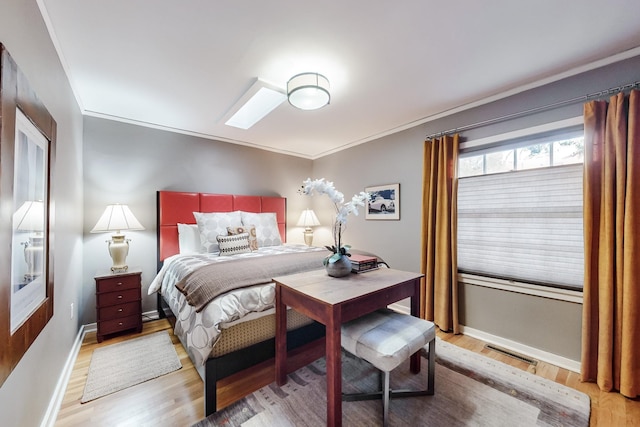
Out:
{"x": 385, "y": 339}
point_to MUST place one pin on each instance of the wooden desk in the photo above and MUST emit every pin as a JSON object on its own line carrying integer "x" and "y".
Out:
{"x": 332, "y": 301}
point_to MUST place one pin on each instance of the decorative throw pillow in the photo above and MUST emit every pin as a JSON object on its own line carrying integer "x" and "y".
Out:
{"x": 211, "y": 224}
{"x": 236, "y": 244}
{"x": 253, "y": 241}
{"x": 189, "y": 239}
{"x": 266, "y": 225}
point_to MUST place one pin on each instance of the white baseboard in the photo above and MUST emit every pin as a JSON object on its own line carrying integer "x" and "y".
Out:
{"x": 554, "y": 359}
{"x": 58, "y": 394}
{"x": 56, "y": 399}
{"x": 400, "y": 308}
{"x": 148, "y": 316}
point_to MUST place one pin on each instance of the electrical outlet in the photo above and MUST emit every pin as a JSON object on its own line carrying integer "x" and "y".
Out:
{"x": 71, "y": 311}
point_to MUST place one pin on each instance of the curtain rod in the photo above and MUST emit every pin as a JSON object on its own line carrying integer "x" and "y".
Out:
{"x": 553, "y": 106}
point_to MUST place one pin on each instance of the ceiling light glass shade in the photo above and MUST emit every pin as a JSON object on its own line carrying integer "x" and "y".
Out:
{"x": 117, "y": 218}
{"x": 308, "y": 91}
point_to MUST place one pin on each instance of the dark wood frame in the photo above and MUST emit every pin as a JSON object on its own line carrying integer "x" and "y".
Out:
{"x": 217, "y": 368}
{"x": 16, "y": 94}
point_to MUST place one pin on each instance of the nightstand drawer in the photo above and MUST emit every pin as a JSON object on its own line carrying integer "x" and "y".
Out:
{"x": 118, "y": 301}
{"x": 113, "y": 298}
{"x": 118, "y": 311}
{"x": 118, "y": 283}
{"x": 116, "y": 325}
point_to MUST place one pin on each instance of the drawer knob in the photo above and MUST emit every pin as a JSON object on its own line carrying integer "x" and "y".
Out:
{"x": 119, "y": 296}
{"x": 119, "y": 310}
{"x": 119, "y": 283}
{"x": 119, "y": 323}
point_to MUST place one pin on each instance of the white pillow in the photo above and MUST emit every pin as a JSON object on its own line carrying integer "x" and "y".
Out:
{"x": 211, "y": 224}
{"x": 189, "y": 239}
{"x": 266, "y": 225}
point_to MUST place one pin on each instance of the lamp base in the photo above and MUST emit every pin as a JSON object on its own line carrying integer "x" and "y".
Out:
{"x": 118, "y": 249}
{"x": 33, "y": 252}
{"x": 308, "y": 236}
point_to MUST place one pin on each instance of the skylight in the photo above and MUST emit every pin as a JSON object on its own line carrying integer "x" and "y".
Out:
{"x": 262, "y": 99}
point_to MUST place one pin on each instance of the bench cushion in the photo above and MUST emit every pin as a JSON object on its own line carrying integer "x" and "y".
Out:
{"x": 386, "y": 338}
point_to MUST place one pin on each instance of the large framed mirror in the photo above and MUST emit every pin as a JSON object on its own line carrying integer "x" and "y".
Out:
{"x": 27, "y": 156}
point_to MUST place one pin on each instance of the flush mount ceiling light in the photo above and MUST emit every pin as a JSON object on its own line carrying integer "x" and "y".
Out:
{"x": 308, "y": 91}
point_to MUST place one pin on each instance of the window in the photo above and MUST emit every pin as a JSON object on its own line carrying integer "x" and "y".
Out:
{"x": 520, "y": 211}
{"x": 560, "y": 149}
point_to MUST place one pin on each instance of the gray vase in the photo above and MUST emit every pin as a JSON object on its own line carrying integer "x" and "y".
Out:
{"x": 340, "y": 268}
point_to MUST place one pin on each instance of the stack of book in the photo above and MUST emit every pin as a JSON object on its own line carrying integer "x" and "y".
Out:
{"x": 362, "y": 263}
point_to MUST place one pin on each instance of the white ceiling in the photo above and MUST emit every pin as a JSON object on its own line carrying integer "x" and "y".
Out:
{"x": 181, "y": 65}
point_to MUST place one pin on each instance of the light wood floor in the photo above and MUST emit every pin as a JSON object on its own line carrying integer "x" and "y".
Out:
{"x": 176, "y": 399}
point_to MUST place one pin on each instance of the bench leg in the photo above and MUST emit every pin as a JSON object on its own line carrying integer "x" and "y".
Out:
{"x": 386, "y": 393}
{"x": 432, "y": 367}
{"x": 385, "y": 400}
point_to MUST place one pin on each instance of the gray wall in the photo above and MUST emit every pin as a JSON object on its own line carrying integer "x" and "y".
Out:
{"x": 394, "y": 159}
{"x": 548, "y": 325}
{"x": 25, "y": 395}
{"x": 127, "y": 164}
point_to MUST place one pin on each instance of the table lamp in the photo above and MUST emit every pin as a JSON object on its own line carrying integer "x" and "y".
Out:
{"x": 30, "y": 217}
{"x": 117, "y": 218}
{"x": 307, "y": 220}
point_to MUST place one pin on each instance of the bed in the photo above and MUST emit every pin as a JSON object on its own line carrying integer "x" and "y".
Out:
{"x": 231, "y": 329}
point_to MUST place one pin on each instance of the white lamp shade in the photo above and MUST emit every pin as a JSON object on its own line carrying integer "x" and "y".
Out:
{"x": 308, "y": 218}
{"x": 117, "y": 218}
{"x": 29, "y": 217}
{"x": 308, "y": 91}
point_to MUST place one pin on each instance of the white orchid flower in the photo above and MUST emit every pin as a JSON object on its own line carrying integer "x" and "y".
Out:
{"x": 321, "y": 186}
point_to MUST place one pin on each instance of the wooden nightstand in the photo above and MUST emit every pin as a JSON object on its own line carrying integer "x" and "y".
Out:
{"x": 118, "y": 302}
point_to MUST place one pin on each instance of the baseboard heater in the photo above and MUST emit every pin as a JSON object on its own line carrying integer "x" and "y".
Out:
{"x": 510, "y": 353}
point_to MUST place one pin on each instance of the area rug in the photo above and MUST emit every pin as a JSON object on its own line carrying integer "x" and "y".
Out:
{"x": 470, "y": 390}
{"x": 125, "y": 364}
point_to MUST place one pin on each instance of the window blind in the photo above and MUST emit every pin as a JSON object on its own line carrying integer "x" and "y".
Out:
{"x": 523, "y": 225}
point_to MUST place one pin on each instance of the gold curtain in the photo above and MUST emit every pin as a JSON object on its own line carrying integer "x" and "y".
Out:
{"x": 611, "y": 311}
{"x": 439, "y": 288}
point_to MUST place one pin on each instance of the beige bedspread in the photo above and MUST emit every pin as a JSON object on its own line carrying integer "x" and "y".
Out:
{"x": 208, "y": 282}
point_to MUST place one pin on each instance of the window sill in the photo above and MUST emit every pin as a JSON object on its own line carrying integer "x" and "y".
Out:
{"x": 521, "y": 288}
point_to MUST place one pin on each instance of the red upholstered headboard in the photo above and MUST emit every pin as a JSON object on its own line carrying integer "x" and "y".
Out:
{"x": 175, "y": 207}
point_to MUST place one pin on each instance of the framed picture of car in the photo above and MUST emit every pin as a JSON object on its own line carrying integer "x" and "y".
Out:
{"x": 384, "y": 202}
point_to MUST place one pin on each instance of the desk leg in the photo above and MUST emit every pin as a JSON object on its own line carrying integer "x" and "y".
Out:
{"x": 415, "y": 311}
{"x": 281, "y": 338}
{"x": 334, "y": 371}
